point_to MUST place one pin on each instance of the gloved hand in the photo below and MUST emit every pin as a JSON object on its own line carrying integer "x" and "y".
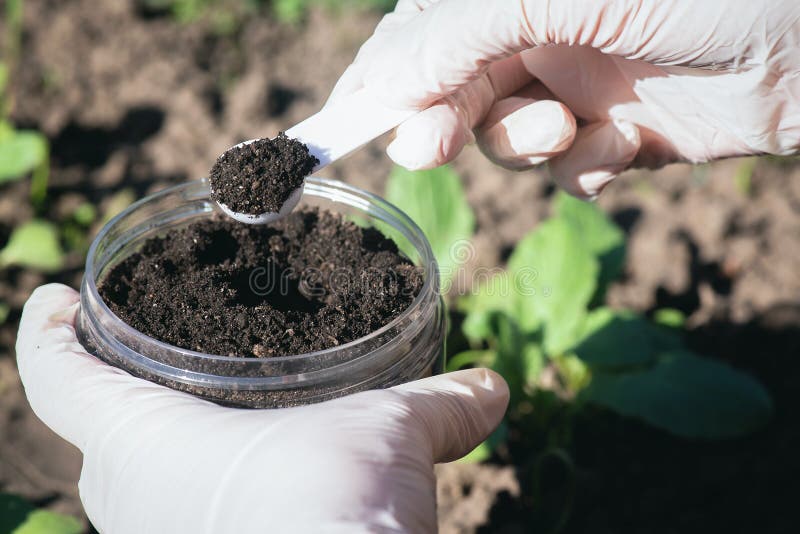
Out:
{"x": 157, "y": 460}
{"x": 649, "y": 82}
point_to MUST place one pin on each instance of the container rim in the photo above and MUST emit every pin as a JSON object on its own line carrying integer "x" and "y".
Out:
{"x": 368, "y": 202}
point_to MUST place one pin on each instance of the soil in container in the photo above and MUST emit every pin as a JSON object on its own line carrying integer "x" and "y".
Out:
{"x": 259, "y": 177}
{"x": 308, "y": 282}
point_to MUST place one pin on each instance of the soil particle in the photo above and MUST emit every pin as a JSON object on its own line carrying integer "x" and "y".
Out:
{"x": 308, "y": 282}
{"x": 259, "y": 177}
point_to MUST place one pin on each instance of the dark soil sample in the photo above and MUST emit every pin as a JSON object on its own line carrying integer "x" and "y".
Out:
{"x": 259, "y": 177}
{"x": 308, "y": 282}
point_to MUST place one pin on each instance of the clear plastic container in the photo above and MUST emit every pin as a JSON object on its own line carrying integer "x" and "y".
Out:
{"x": 408, "y": 348}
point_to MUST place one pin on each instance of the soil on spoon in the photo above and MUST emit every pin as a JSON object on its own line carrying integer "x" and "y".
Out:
{"x": 258, "y": 178}
{"x": 308, "y": 282}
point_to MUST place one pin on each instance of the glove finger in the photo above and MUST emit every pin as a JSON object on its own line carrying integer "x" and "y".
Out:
{"x": 525, "y": 129}
{"x": 456, "y": 411}
{"x": 430, "y": 138}
{"x": 70, "y": 390}
{"x": 437, "y": 134}
{"x": 598, "y": 154}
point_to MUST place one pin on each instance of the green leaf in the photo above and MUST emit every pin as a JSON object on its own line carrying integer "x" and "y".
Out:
{"x": 533, "y": 362}
{"x": 514, "y": 354}
{"x": 3, "y": 77}
{"x": 18, "y": 516}
{"x": 492, "y": 294}
{"x": 12, "y": 31}
{"x": 20, "y": 153}
{"x": 85, "y": 214}
{"x": 519, "y": 357}
{"x": 479, "y": 454}
{"x": 13, "y": 511}
{"x": 614, "y": 339}
{"x": 34, "y": 245}
{"x": 435, "y": 200}
{"x": 46, "y": 522}
{"x": 554, "y": 277}
{"x": 186, "y": 11}
{"x": 687, "y": 395}
{"x": 6, "y": 131}
{"x": 5, "y": 309}
{"x": 289, "y": 11}
{"x": 599, "y": 235}
{"x": 483, "y": 452}
{"x": 477, "y": 326}
{"x": 743, "y": 178}
{"x": 474, "y": 358}
{"x": 39, "y": 179}
{"x": 669, "y": 317}
{"x": 573, "y": 371}
{"x": 509, "y": 343}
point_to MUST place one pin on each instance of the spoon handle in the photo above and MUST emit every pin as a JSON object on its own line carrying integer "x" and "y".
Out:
{"x": 340, "y": 128}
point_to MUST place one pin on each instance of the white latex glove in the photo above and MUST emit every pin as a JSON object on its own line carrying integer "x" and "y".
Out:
{"x": 650, "y": 82}
{"x": 156, "y": 460}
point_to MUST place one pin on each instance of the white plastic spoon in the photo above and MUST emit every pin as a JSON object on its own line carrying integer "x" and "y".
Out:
{"x": 330, "y": 134}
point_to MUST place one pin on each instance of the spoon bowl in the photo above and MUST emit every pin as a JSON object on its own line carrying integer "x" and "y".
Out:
{"x": 330, "y": 134}
{"x": 267, "y": 217}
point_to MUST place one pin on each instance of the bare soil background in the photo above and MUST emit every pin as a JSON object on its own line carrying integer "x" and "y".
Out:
{"x": 135, "y": 100}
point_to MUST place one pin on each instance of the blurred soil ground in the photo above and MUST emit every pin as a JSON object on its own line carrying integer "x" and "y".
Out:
{"x": 133, "y": 100}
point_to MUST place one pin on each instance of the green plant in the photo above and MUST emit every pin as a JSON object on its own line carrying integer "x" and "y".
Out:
{"x": 293, "y": 11}
{"x": 74, "y": 228}
{"x": 435, "y": 200}
{"x": 22, "y": 152}
{"x": 223, "y": 16}
{"x": 543, "y": 325}
{"x": 551, "y": 317}
{"x": 18, "y": 516}
{"x": 34, "y": 245}
{"x": 743, "y": 177}
{"x": 226, "y": 16}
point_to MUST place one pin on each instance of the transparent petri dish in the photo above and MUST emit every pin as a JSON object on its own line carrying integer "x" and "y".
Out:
{"x": 409, "y": 347}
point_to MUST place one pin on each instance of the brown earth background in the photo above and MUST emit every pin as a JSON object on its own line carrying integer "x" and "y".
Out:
{"x": 133, "y": 101}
